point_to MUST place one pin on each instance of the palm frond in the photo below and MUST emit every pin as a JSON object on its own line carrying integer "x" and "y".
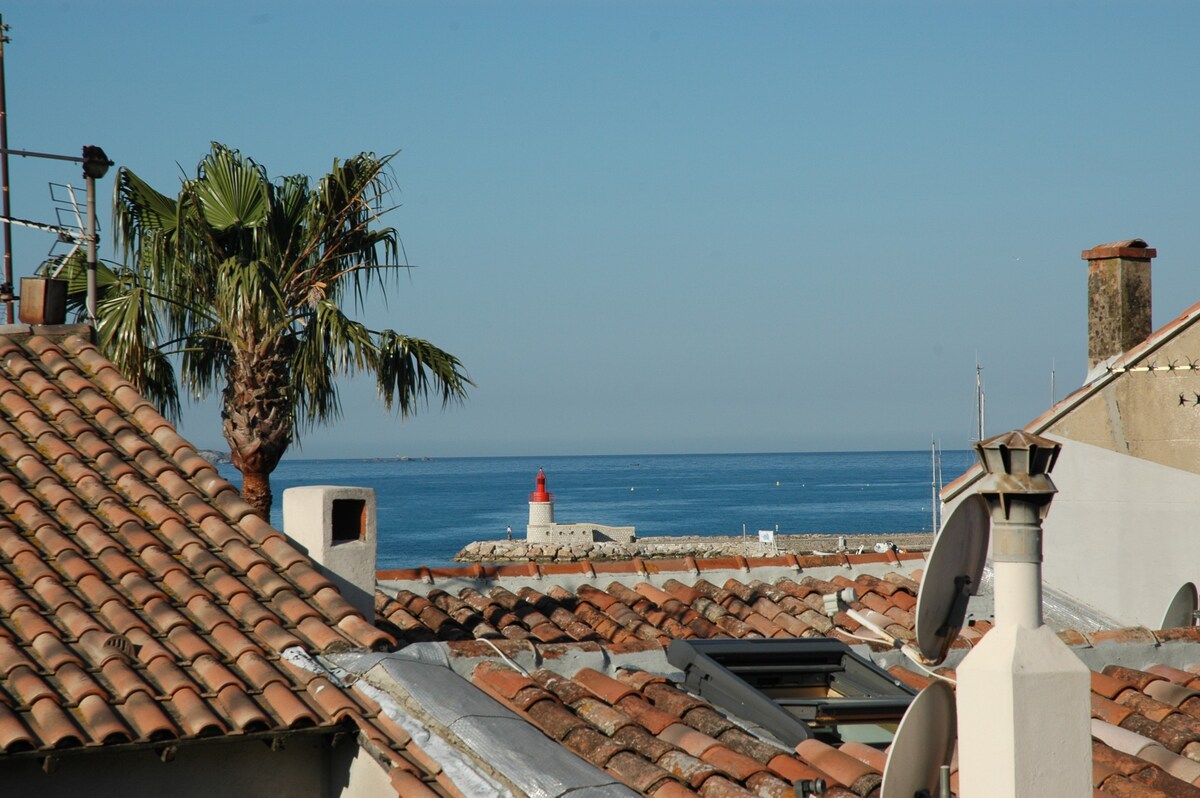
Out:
{"x": 248, "y": 303}
{"x": 331, "y": 344}
{"x": 140, "y": 211}
{"x": 345, "y": 245}
{"x": 128, "y": 332}
{"x": 205, "y": 359}
{"x": 232, "y": 190}
{"x": 409, "y": 369}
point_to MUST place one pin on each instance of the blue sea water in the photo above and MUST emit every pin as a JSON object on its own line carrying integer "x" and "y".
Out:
{"x": 429, "y": 509}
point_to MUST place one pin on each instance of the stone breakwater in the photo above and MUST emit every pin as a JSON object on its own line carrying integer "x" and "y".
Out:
{"x": 674, "y": 547}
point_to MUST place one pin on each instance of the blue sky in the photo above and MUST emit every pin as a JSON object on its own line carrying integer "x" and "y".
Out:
{"x": 674, "y": 227}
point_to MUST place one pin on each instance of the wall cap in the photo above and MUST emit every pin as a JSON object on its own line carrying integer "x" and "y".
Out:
{"x": 1134, "y": 248}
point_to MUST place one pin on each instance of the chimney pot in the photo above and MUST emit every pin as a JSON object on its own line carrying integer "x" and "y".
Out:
{"x": 336, "y": 526}
{"x": 1118, "y": 297}
{"x": 43, "y": 301}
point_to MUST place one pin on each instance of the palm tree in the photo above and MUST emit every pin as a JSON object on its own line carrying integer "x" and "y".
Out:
{"x": 246, "y": 279}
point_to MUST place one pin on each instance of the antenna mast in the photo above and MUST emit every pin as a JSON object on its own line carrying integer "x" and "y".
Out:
{"x": 6, "y": 290}
{"x": 980, "y": 408}
{"x": 933, "y": 483}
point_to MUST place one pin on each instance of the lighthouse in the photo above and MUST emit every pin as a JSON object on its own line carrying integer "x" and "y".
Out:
{"x": 543, "y": 529}
{"x": 541, "y": 509}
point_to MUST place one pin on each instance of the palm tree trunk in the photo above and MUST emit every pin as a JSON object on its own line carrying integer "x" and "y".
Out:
{"x": 256, "y": 490}
{"x": 258, "y": 423}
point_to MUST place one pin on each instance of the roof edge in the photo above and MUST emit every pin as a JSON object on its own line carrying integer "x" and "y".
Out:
{"x": 1112, "y": 371}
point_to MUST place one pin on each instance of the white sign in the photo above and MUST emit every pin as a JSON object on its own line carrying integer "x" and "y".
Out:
{"x": 766, "y": 536}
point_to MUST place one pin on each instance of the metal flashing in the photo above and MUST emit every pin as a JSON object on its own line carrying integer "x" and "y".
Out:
{"x": 509, "y": 746}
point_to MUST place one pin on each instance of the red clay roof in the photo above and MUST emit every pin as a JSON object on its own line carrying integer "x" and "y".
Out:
{"x": 684, "y": 607}
{"x": 662, "y": 741}
{"x": 141, "y": 600}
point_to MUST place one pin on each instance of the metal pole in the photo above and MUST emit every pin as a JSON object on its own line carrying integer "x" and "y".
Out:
{"x": 91, "y": 250}
{"x": 4, "y": 194}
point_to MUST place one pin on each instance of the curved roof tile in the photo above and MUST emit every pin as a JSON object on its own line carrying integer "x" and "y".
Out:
{"x": 140, "y": 598}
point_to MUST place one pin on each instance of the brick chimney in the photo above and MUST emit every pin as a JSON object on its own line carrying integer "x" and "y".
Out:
{"x": 1118, "y": 297}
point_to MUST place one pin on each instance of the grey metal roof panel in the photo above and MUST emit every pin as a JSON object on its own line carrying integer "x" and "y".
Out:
{"x": 511, "y": 747}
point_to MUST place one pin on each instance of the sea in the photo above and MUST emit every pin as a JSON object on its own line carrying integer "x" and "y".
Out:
{"x": 430, "y": 508}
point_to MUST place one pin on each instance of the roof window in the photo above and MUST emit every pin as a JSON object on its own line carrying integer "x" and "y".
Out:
{"x": 796, "y": 689}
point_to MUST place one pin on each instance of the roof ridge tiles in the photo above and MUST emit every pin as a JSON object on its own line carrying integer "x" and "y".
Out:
{"x": 646, "y": 567}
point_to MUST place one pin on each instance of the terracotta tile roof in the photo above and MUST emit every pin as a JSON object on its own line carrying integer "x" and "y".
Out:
{"x": 658, "y": 739}
{"x": 141, "y": 600}
{"x": 651, "y": 734}
{"x": 684, "y": 606}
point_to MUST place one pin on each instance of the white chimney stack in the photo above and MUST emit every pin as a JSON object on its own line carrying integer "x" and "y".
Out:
{"x": 336, "y": 526}
{"x": 1023, "y": 697}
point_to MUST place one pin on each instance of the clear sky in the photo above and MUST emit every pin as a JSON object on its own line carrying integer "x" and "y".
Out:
{"x": 674, "y": 227}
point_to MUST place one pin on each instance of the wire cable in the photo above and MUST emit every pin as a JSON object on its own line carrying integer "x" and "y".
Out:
{"x": 511, "y": 664}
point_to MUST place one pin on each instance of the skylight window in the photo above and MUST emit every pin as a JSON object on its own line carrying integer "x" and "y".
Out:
{"x": 796, "y": 689}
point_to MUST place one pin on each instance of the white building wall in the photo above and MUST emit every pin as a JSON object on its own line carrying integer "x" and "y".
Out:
{"x": 364, "y": 776}
{"x": 579, "y": 533}
{"x": 541, "y": 513}
{"x": 1121, "y": 535}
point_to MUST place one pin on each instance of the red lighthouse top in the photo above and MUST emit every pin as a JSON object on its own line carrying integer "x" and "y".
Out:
{"x": 540, "y": 495}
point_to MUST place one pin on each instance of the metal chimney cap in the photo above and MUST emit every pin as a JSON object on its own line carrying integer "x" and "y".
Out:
{"x": 1018, "y": 453}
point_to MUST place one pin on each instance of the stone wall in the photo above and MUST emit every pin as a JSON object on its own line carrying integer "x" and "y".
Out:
{"x": 578, "y": 534}
{"x": 674, "y": 547}
{"x": 521, "y": 550}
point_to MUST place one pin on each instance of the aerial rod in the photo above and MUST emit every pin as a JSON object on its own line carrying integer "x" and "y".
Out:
{"x": 5, "y": 208}
{"x": 95, "y": 165}
{"x": 30, "y": 154}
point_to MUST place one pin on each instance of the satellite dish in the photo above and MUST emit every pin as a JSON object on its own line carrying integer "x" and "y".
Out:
{"x": 923, "y": 743}
{"x": 1182, "y": 609}
{"x": 952, "y": 575}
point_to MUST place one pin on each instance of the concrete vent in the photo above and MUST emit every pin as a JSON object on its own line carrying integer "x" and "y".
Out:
{"x": 1118, "y": 297}
{"x": 336, "y": 526}
{"x": 43, "y": 301}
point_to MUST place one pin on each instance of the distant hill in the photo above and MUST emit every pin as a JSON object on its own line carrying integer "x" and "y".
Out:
{"x": 215, "y": 457}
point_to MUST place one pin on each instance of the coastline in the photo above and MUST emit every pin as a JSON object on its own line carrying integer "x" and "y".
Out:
{"x": 676, "y": 546}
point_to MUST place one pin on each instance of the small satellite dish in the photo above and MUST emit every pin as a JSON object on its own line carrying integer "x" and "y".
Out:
{"x": 952, "y": 575}
{"x": 923, "y": 743}
{"x": 1182, "y": 609}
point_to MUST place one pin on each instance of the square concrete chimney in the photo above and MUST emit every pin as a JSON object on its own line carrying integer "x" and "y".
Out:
{"x": 43, "y": 301}
{"x": 336, "y": 526}
{"x": 1118, "y": 297}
